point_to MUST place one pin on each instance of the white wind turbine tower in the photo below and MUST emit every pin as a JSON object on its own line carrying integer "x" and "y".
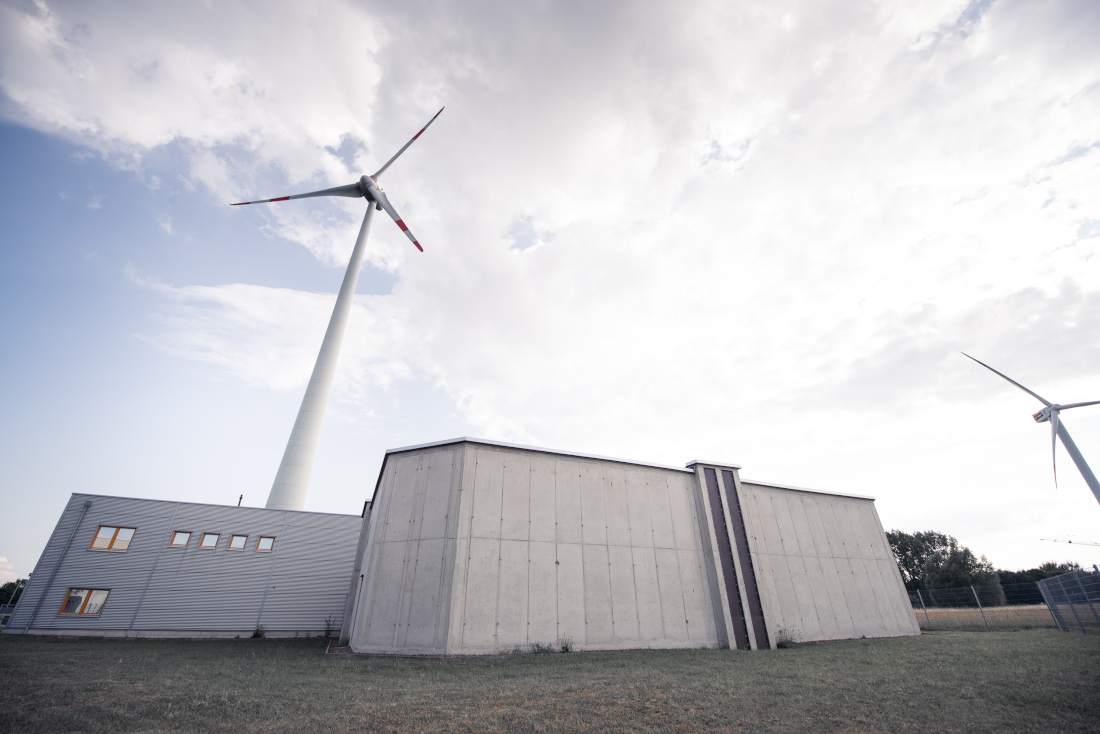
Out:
{"x": 1049, "y": 414}
{"x": 292, "y": 480}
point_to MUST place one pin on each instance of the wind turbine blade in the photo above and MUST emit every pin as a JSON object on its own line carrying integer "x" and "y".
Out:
{"x": 351, "y": 190}
{"x": 1042, "y": 400}
{"x": 1079, "y": 405}
{"x": 384, "y": 202}
{"x": 414, "y": 137}
{"x": 1054, "y": 423}
{"x": 1082, "y": 466}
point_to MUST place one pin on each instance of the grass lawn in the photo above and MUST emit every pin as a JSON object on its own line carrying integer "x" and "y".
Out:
{"x": 1029, "y": 680}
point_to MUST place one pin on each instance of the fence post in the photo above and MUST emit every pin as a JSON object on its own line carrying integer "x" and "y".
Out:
{"x": 980, "y": 607}
{"x": 926, "y": 619}
{"x": 1072, "y": 604}
{"x": 1087, "y": 599}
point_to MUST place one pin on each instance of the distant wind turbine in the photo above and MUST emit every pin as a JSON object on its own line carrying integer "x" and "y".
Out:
{"x": 292, "y": 480}
{"x": 1049, "y": 414}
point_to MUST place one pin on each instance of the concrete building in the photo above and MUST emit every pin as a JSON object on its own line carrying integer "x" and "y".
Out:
{"x": 474, "y": 547}
{"x": 120, "y": 567}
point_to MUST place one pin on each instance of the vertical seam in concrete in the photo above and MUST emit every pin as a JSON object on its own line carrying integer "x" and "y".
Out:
{"x": 469, "y": 548}
{"x": 375, "y": 559}
{"x": 633, "y": 566}
{"x": 557, "y": 560}
{"x": 607, "y": 551}
{"x": 441, "y": 603}
{"x": 500, "y": 550}
{"x": 679, "y": 575}
{"x": 527, "y": 612}
{"x": 584, "y": 584}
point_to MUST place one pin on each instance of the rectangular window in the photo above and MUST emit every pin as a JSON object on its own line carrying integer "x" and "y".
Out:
{"x": 237, "y": 542}
{"x": 111, "y": 538}
{"x": 209, "y": 540}
{"x": 180, "y": 538}
{"x": 84, "y": 601}
{"x": 265, "y": 544}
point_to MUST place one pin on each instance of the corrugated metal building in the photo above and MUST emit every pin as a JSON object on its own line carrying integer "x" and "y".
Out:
{"x": 117, "y": 566}
{"x": 475, "y": 547}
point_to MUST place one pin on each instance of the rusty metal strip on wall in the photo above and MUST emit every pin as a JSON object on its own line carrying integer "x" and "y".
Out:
{"x": 756, "y": 611}
{"x": 725, "y": 552}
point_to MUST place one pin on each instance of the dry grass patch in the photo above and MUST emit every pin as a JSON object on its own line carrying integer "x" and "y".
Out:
{"x": 1037, "y": 680}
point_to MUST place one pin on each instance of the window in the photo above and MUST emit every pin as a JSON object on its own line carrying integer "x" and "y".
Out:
{"x": 237, "y": 542}
{"x": 209, "y": 540}
{"x": 84, "y": 601}
{"x": 265, "y": 544}
{"x": 180, "y": 538}
{"x": 109, "y": 538}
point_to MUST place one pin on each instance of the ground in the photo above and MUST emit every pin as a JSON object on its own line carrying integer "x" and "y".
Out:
{"x": 1027, "y": 680}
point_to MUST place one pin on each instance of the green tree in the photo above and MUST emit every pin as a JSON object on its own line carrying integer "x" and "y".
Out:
{"x": 1040, "y": 572}
{"x": 8, "y": 590}
{"x": 931, "y": 560}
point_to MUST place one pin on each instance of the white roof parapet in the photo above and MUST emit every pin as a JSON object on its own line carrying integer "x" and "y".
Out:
{"x": 805, "y": 489}
{"x": 721, "y": 464}
{"x": 504, "y": 444}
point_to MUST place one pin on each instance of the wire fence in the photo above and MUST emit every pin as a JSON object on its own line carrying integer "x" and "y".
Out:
{"x": 1074, "y": 601}
{"x": 1002, "y": 607}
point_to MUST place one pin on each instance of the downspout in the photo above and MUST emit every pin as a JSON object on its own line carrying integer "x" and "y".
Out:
{"x": 87, "y": 504}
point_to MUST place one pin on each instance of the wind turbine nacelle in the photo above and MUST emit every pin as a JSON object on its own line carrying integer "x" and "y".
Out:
{"x": 1043, "y": 416}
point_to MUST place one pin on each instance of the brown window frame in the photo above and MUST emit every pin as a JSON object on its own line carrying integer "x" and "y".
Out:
{"x": 244, "y": 545}
{"x": 202, "y": 539}
{"x": 172, "y": 541}
{"x": 261, "y": 539}
{"x": 111, "y": 545}
{"x": 80, "y": 612}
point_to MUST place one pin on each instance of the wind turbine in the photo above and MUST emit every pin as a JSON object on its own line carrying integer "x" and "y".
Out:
{"x": 1049, "y": 414}
{"x": 292, "y": 480}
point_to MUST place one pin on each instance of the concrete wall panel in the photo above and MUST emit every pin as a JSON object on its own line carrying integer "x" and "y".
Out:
{"x": 818, "y": 559}
{"x": 624, "y": 599}
{"x": 515, "y": 519}
{"x": 672, "y": 594}
{"x": 480, "y": 613}
{"x": 570, "y": 569}
{"x": 568, "y": 489}
{"x": 598, "y": 630}
{"x": 650, "y": 624}
{"x": 618, "y": 511}
{"x": 542, "y": 593}
{"x": 593, "y": 505}
{"x": 543, "y": 499}
{"x": 511, "y": 616}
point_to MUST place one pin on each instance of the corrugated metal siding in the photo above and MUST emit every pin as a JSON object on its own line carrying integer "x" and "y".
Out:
{"x": 195, "y": 589}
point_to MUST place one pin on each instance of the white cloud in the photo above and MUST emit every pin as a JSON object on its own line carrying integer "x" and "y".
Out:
{"x": 7, "y": 571}
{"x": 763, "y": 230}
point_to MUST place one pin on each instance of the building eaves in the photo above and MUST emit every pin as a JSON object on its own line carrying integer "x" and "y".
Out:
{"x": 504, "y": 444}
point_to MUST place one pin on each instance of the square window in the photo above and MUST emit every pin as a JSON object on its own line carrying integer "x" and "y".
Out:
{"x": 84, "y": 601}
{"x": 180, "y": 538}
{"x": 265, "y": 544}
{"x": 237, "y": 542}
{"x": 122, "y": 539}
{"x": 209, "y": 540}
{"x": 103, "y": 537}
{"x": 112, "y": 538}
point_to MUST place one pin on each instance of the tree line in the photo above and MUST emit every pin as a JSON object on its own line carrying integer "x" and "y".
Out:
{"x": 931, "y": 560}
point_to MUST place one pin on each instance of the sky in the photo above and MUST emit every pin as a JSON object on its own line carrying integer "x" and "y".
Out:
{"x": 753, "y": 232}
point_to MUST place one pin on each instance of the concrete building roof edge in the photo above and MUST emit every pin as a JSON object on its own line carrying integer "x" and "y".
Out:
{"x": 761, "y": 483}
{"x": 722, "y": 464}
{"x": 559, "y": 452}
